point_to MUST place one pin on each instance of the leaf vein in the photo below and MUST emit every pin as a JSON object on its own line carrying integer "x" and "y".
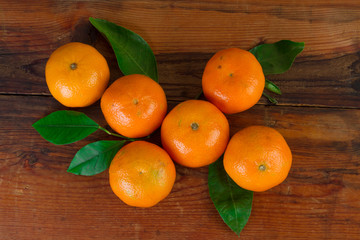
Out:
{"x": 232, "y": 198}
{"x": 132, "y": 58}
{"x": 64, "y": 126}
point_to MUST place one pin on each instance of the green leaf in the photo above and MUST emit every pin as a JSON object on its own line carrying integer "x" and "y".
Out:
{"x": 277, "y": 57}
{"x": 269, "y": 85}
{"x": 231, "y": 201}
{"x": 64, "y": 127}
{"x": 132, "y": 52}
{"x": 94, "y": 157}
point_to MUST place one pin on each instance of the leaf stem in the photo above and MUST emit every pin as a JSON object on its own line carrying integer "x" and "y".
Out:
{"x": 118, "y": 135}
{"x": 271, "y": 99}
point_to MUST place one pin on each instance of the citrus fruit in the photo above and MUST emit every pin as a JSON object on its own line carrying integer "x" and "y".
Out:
{"x": 195, "y": 133}
{"x": 233, "y": 80}
{"x": 77, "y": 74}
{"x": 257, "y": 158}
{"x": 134, "y": 105}
{"x": 142, "y": 174}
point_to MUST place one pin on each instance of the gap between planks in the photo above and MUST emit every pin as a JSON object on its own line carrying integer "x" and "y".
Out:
{"x": 180, "y": 100}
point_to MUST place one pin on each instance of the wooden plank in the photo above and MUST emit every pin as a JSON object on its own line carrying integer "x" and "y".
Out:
{"x": 331, "y": 82}
{"x": 327, "y": 73}
{"x": 329, "y": 28}
{"x": 40, "y": 200}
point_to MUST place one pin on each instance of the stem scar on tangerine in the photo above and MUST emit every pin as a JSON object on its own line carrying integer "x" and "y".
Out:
{"x": 73, "y": 66}
{"x": 262, "y": 167}
{"x": 194, "y": 126}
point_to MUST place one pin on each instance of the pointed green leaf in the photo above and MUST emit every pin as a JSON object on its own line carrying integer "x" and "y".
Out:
{"x": 132, "y": 52}
{"x": 64, "y": 127}
{"x": 277, "y": 57}
{"x": 231, "y": 201}
{"x": 95, "y": 157}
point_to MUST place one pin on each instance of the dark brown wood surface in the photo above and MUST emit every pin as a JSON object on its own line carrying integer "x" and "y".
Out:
{"x": 318, "y": 114}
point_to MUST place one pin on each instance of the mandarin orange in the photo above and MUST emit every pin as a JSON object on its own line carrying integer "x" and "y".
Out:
{"x": 233, "y": 80}
{"x": 142, "y": 174}
{"x": 77, "y": 74}
{"x": 257, "y": 158}
{"x": 195, "y": 133}
{"x": 134, "y": 105}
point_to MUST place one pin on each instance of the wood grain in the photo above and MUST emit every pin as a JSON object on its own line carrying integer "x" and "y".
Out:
{"x": 331, "y": 29}
{"x": 22, "y": 62}
{"x": 318, "y": 114}
{"x": 320, "y": 194}
{"x": 330, "y": 83}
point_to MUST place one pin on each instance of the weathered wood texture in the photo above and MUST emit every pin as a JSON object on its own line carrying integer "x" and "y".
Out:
{"x": 319, "y": 199}
{"x": 184, "y": 35}
{"x": 331, "y": 82}
{"x": 329, "y": 28}
{"x": 318, "y": 114}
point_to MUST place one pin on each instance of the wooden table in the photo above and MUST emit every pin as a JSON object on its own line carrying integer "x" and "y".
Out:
{"x": 318, "y": 114}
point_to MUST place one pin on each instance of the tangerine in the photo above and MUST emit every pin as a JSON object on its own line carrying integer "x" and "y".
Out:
{"x": 134, "y": 105}
{"x": 142, "y": 174}
{"x": 257, "y": 158}
{"x": 195, "y": 133}
{"x": 233, "y": 80}
{"x": 77, "y": 74}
